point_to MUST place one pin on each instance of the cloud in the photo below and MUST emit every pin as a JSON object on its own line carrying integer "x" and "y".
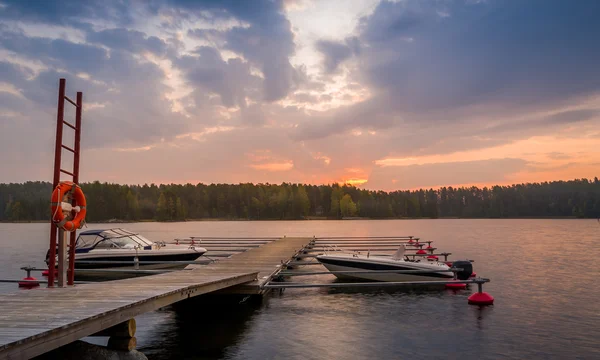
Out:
{"x": 67, "y": 12}
{"x": 283, "y": 166}
{"x": 572, "y": 116}
{"x": 230, "y": 79}
{"x": 266, "y": 42}
{"x": 128, "y": 40}
{"x": 55, "y": 52}
{"x": 558, "y": 156}
{"x": 130, "y": 89}
{"x": 432, "y": 62}
{"x": 334, "y": 54}
{"x": 440, "y": 174}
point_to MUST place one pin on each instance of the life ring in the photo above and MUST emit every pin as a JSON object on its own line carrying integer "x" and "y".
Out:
{"x": 62, "y": 211}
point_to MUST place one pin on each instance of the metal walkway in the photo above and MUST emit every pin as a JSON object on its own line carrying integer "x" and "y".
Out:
{"x": 34, "y": 322}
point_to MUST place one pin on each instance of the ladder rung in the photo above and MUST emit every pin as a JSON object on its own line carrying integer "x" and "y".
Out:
{"x": 71, "y": 101}
{"x": 68, "y": 148}
{"x": 70, "y": 125}
{"x": 66, "y": 172}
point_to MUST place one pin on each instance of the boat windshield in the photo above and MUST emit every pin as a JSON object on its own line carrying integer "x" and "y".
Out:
{"x": 110, "y": 239}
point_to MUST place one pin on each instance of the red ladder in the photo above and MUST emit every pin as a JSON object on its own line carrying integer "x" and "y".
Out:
{"x": 60, "y": 122}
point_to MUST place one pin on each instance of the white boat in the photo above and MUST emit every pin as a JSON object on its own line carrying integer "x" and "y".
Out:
{"x": 380, "y": 268}
{"x": 116, "y": 249}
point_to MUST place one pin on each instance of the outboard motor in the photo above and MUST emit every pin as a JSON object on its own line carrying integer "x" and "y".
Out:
{"x": 47, "y": 261}
{"x": 399, "y": 253}
{"x": 467, "y": 269}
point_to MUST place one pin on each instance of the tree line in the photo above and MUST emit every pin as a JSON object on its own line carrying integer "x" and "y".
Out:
{"x": 575, "y": 198}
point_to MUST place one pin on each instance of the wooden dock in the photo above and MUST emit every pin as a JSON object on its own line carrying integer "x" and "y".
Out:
{"x": 36, "y": 321}
{"x": 266, "y": 260}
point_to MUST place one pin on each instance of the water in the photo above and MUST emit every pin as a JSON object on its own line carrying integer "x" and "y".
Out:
{"x": 544, "y": 279}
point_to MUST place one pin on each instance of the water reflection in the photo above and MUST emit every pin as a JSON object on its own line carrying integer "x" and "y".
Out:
{"x": 201, "y": 328}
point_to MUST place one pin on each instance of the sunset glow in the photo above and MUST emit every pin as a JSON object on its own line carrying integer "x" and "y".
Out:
{"x": 383, "y": 95}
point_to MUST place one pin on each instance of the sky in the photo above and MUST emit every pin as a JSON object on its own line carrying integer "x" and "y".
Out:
{"x": 385, "y": 95}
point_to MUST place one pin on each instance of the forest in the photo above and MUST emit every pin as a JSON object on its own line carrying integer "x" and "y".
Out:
{"x": 579, "y": 198}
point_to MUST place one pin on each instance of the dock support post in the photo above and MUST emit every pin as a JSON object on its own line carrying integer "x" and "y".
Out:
{"x": 62, "y": 258}
{"x": 122, "y": 343}
{"x": 125, "y": 329}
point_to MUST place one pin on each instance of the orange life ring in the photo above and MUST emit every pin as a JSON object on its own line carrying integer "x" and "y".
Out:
{"x": 62, "y": 218}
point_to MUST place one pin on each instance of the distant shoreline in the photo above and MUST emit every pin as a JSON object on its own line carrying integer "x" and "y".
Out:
{"x": 310, "y": 218}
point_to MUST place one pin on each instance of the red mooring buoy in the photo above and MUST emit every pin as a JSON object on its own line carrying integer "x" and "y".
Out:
{"x": 29, "y": 283}
{"x": 421, "y": 252}
{"x": 473, "y": 274}
{"x": 449, "y": 263}
{"x": 481, "y": 298}
{"x": 432, "y": 258}
{"x": 47, "y": 272}
{"x": 456, "y": 286}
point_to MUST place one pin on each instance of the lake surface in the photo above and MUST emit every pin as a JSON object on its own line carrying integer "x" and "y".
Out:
{"x": 544, "y": 278}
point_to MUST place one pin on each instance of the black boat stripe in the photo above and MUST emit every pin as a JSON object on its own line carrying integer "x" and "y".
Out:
{"x": 171, "y": 257}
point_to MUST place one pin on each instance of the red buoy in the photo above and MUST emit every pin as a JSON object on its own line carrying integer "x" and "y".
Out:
{"x": 449, "y": 263}
{"x": 456, "y": 286}
{"x": 481, "y": 298}
{"x": 29, "y": 283}
{"x": 47, "y": 272}
{"x": 432, "y": 258}
{"x": 421, "y": 252}
{"x": 473, "y": 274}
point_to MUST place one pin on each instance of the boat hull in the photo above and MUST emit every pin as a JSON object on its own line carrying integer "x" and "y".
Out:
{"x": 372, "y": 268}
{"x": 85, "y": 270}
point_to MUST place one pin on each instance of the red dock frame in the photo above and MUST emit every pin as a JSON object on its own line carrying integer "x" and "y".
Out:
{"x": 60, "y": 122}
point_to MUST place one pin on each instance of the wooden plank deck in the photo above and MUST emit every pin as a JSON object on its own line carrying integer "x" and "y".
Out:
{"x": 266, "y": 260}
{"x": 37, "y": 321}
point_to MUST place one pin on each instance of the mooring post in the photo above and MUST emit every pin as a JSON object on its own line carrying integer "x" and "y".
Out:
{"x": 62, "y": 258}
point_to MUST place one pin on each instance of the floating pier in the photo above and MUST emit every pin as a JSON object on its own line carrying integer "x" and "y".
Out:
{"x": 33, "y": 322}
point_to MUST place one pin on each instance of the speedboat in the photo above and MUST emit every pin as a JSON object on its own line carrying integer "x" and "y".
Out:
{"x": 369, "y": 267}
{"x": 117, "y": 249}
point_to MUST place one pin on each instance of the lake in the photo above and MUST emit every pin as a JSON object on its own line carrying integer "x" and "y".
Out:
{"x": 544, "y": 278}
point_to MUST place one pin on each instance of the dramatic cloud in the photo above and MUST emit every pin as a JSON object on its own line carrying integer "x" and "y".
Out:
{"x": 335, "y": 53}
{"x": 382, "y": 94}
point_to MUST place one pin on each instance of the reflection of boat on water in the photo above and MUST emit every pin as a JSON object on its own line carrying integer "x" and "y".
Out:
{"x": 110, "y": 249}
{"x": 380, "y": 268}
